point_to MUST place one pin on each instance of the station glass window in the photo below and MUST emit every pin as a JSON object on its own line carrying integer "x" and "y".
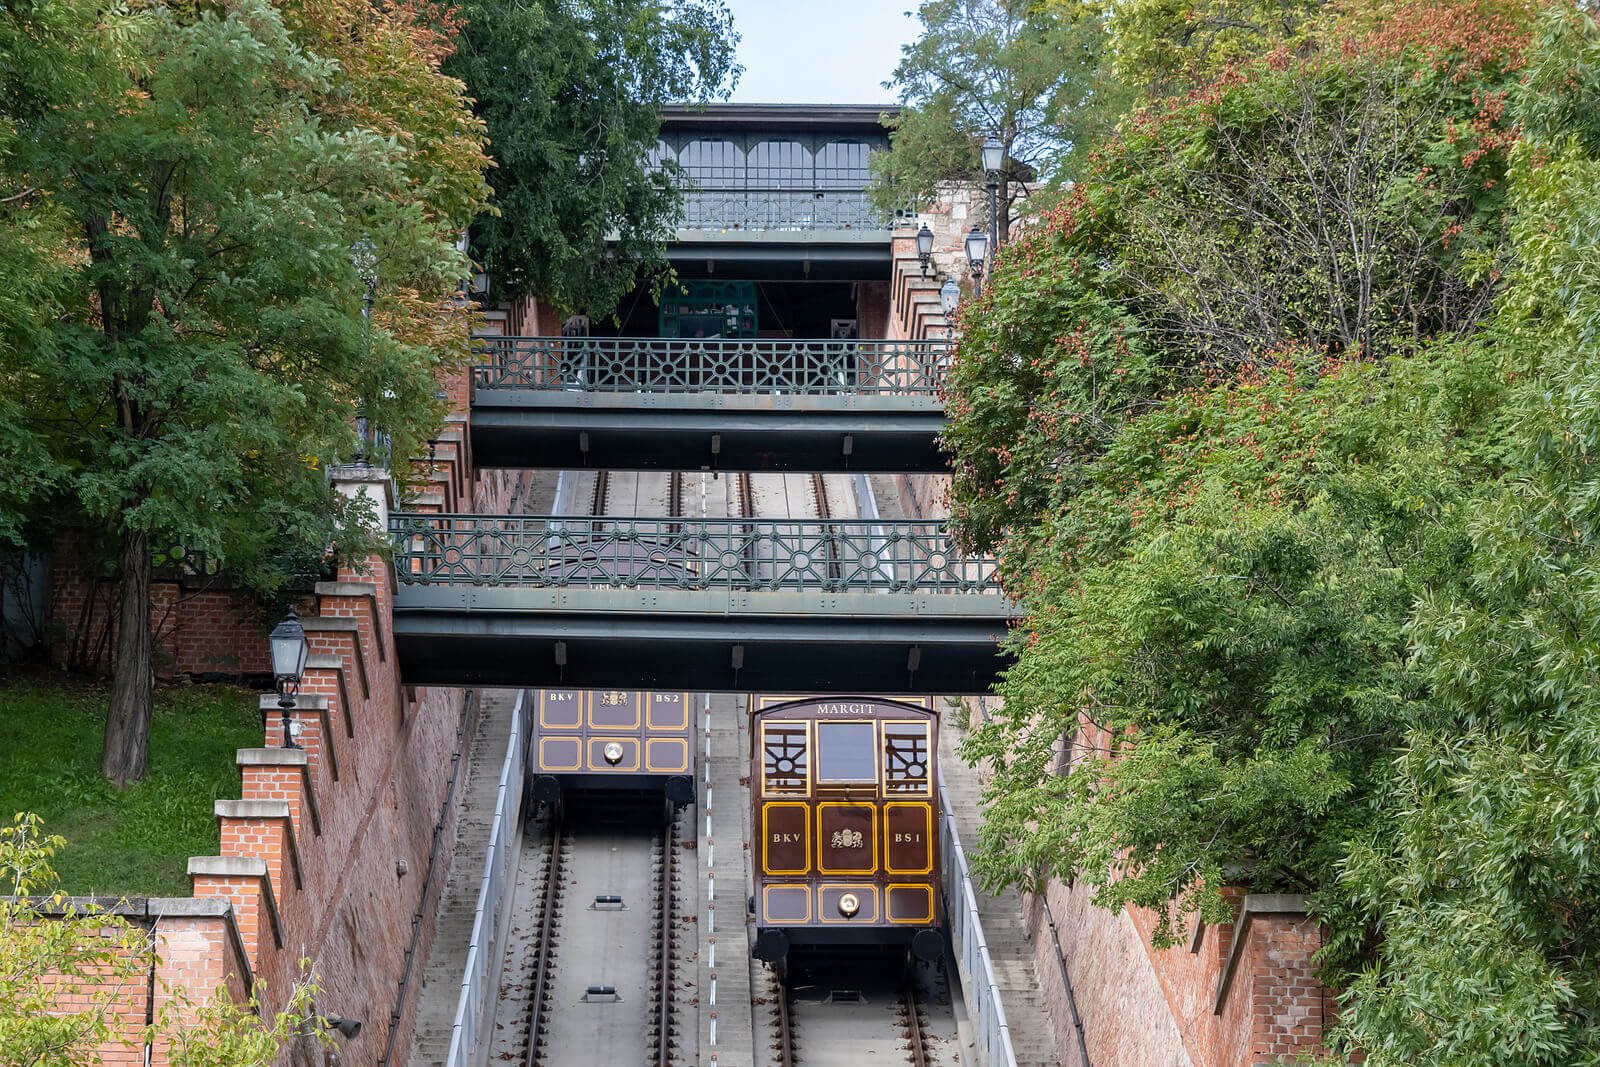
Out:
{"x": 780, "y": 165}
{"x": 847, "y": 752}
{"x": 713, "y": 164}
{"x": 843, "y": 165}
{"x": 785, "y": 757}
{"x": 907, "y": 762}
{"x": 658, "y": 155}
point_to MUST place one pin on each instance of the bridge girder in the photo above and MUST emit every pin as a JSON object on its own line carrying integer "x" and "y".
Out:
{"x": 695, "y": 431}
{"x": 713, "y": 640}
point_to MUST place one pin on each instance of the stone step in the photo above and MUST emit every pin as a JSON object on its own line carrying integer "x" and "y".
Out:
{"x": 447, "y": 957}
{"x": 1005, "y": 930}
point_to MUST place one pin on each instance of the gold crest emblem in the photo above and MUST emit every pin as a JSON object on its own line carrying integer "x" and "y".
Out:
{"x": 847, "y": 839}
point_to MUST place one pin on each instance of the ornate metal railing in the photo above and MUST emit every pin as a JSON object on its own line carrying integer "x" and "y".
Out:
{"x": 682, "y": 365}
{"x": 783, "y": 209}
{"x": 677, "y": 553}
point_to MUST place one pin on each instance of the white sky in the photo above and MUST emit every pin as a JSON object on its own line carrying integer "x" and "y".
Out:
{"x": 820, "y": 51}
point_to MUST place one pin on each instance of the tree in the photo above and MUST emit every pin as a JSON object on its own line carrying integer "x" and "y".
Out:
{"x": 572, "y": 95}
{"x": 1165, "y": 48}
{"x": 51, "y": 944}
{"x": 1483, "y": 879}
{"x": 205, "y": 353}
{"x": 1029, "y": 75}
{"x": 1310, "y": 608}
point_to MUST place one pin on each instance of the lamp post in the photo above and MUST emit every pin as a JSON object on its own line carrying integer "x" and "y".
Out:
{"x": 977, "y": 252}
{"x": 925, "y": 247}
{"x": 949, "y": 298}
{"x": 364, "y": 258}
{"x": 994, "y": 158}
{"x": 289, "y": 653}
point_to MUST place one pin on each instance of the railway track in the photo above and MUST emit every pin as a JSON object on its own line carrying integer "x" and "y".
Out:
{"x": 592, "y": 995}
{"x": 609, "y": 939}
{"x": 876, "y": 1020}
{"x": 597, "y": 964}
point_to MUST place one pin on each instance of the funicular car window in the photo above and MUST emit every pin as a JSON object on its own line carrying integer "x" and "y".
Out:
{"x": 846, "y": 752}
{"x": 784, "y": 757}
{"x": 906, "y": 759}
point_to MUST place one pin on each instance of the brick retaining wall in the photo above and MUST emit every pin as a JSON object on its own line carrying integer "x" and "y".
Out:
{"x": 322, "y": 856}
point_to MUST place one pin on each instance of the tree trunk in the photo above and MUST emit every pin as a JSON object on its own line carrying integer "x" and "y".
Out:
{"x": 127, "y": 746}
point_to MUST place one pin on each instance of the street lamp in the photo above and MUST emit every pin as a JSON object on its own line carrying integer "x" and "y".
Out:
{"x": 289, "y": 653}
{"x": 949, "y": 298}
{"x": 364, "y": 258}
{"x": 925, "y": 247}
{"x": 977, "y": 252}
{"x": 994, "y": 158}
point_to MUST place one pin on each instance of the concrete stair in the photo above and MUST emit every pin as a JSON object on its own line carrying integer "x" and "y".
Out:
{"x": 447, "y": 959}
{"x": 1005, "y": 930}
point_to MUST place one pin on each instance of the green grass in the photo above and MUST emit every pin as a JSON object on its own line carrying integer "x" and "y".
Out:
{"x": 135, "y": 841}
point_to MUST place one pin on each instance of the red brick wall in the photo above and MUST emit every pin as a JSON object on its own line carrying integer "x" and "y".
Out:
{"x": 194, "y": 958}
{"x": 362, "y": 838}
{"x": 1182, "y": 1005}
{"x": 197, "y": 629}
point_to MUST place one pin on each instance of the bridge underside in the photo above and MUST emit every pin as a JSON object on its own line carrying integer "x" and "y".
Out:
{"x": 713, "y": 640}
{"x": 668, "y": 431}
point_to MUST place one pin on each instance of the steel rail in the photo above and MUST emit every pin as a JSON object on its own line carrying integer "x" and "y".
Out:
{"x": 669, "y": 841}
{"x": 819, "y": 488}
{"x": 802, "y": 367}
{"x": 547, "y": 925}
{"x": 785, "y": 1026}
{"x": 915, "y": 1037}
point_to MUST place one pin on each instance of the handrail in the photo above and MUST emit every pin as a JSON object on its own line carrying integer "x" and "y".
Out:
{"x": 836, "y": 555}
{"x": 767, "y": 208}
{"x": 805, "y": 367}
{"x": 971, "y": 949}
{"x": 483, "y": 949}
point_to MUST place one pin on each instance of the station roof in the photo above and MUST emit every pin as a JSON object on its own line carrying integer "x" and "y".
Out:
{"x": 777, "y": 116}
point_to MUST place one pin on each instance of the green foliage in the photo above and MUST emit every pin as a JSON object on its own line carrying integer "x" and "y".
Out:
{"x": 571, "y": 94}
{"x": 134, "y": 841}
{"x": 1484, "y": 883}
{"x": 189, "y": 184}
{"x": 90, "y": 951}
{"x": 1164, "y": 47}
{"x": 1031, "y": 75}
{"x": 1305, "y": 525}
{"x": 206, "y": 350}
{"x": 51, "y": 944}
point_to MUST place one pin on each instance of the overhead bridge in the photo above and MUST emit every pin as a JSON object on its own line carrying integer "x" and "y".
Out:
{"x": 647, "y": 403}
{"x": 708, "y": 604}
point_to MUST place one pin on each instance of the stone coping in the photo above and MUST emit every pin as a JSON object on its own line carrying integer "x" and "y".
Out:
{"x": 1253, "y": 904}
{"x": 316, "y": 702}
{"x": 345, "y": 589}
{"x": 153, "y": 910}
{"x": 286, "y": 757}
{"x": 242, "y": 867}
{"x": 359, "y": 590}
{"x": 325, "y": 625}
{"x": 327, "y": 662}
{"x": 266, "y": 809}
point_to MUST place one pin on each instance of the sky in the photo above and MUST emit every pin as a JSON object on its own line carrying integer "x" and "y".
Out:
{"x": 819, "y": 51}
